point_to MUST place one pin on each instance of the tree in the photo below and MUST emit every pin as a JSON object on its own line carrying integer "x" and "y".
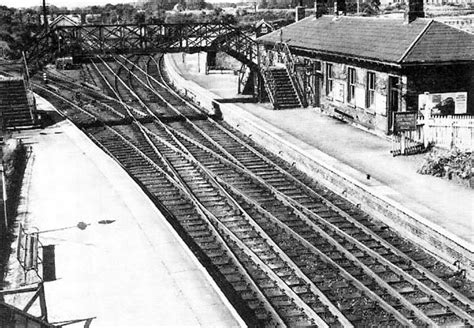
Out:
{"x": 139, "y": 18}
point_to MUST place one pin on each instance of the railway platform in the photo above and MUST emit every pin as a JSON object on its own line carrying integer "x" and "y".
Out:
{"x": 132, "y": 272}
{"x": 436, "y": 213}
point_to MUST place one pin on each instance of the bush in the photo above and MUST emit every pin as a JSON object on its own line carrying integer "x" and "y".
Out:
{"x": 448, "y": 164}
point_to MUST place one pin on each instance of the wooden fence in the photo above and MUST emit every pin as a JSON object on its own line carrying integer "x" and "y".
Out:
{"x": 446, "y": 131}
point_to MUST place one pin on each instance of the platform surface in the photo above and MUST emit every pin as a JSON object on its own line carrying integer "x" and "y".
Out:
{"x": 135, "y": 272}
{"x": 358, "y": 153}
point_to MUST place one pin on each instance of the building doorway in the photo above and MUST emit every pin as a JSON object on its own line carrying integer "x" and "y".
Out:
{"x": 394, "y": 94}
{"x": 313, "y": 83}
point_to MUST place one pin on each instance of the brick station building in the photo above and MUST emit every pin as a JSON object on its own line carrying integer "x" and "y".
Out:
{"x": 363, "y": 69}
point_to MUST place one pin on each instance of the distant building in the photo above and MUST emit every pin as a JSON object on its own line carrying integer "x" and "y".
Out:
{"x": 263, "y": 27}
{"x": 62, "y": 20}
{"x": 4, "y": 49}
{"x": 444, "y": 2}
{"x": 93, "y": 18}
{"x": 462, "y": 22}
{"x": 194, "y": 4}
{"x": 165, "y": 4}
{"x": 66, "y": 20}
{"x": 277, "y": 3}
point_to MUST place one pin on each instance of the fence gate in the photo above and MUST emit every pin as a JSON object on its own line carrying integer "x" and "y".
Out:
{"x": 406, "y": 138}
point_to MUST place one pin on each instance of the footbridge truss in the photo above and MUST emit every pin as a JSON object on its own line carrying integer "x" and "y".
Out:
{"x": 87, "y": 40}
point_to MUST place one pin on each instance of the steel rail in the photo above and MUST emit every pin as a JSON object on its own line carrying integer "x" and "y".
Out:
{"x": 436, "y": 280}
{"x": 181, "y": 185}
{"x": 108, "y": 107}
{"x": 304, "y": 215}
{"x": 372, "y": 295}
{"x": 189, "y": 155}
{"x": 229, "y": 185}
{"x": 457, "y": 310}
{"x": 98, "y": 94}
{"x": 348, "y": 217}
{"x": 267, "y": 304}
{"x": 267, "y": 239}
{"x": 367, "y": 270}
{"x": 67, "y": 101}
{"x": 330, "y": 239}
{"x": 128, "y": 108}
{"x": 396, "y": 314}
{"x": 249, "y": 252}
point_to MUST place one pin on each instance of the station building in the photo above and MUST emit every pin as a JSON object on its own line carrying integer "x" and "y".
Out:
{"x": 363, "y": 69}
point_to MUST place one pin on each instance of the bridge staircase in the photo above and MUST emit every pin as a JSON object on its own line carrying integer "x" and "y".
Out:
{"x": 16, "y": 104}
{"x": 281, "y": 82}
{"x": 281, "y": 88}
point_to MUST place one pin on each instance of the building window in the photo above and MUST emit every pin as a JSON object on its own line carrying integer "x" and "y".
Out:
{"x": 351, "y": 84}
{"x": 329, "y": 79}
{"x": 370, "y": 99}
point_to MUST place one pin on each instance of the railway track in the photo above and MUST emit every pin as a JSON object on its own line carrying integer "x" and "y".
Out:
{"x": 304, "y": 254}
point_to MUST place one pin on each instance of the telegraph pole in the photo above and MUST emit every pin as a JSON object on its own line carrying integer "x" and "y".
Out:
{"x": 45, "y": 17}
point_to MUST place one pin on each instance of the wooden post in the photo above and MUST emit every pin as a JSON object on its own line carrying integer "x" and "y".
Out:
{"x": 4, "y": 200}
{"x": 426, "y": 133}
{"x": 427, "y": 119}
{"x": 42, "y": 299}
{"x": 239, "y": 81}
{"x": 403, "y": 144}
{"x": 199, "y": 62}
{"x": 453, "y": 143}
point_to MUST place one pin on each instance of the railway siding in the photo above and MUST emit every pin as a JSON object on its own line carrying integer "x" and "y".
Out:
{"x": 322, "y": 167}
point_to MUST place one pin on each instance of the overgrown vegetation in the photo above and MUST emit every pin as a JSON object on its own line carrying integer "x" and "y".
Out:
{"x": 17, "y": 29}
{"x": 453, "y": 165}
{"x": 14, "y": 163}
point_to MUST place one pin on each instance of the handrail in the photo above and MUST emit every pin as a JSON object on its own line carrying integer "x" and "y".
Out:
{"x": 290, "y": 66}
{"x": 269, "y": 86}
{"x": 269, "y": 83}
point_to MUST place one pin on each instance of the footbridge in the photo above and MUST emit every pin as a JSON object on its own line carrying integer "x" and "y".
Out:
{"x": 87, "y": 40}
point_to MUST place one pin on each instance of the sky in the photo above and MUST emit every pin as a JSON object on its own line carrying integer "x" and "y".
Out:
{"x": 59, "y": 3}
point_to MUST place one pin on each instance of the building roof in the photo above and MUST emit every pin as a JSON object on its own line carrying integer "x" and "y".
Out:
{"x": 65, "y": 20}
{"x": 377, "y": 39}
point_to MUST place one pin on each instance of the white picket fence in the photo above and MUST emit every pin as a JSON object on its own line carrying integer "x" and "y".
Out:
{"x": 446, "y": 131}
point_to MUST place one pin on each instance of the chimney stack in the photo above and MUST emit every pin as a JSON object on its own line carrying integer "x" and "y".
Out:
{"x": 414, "y": 10}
